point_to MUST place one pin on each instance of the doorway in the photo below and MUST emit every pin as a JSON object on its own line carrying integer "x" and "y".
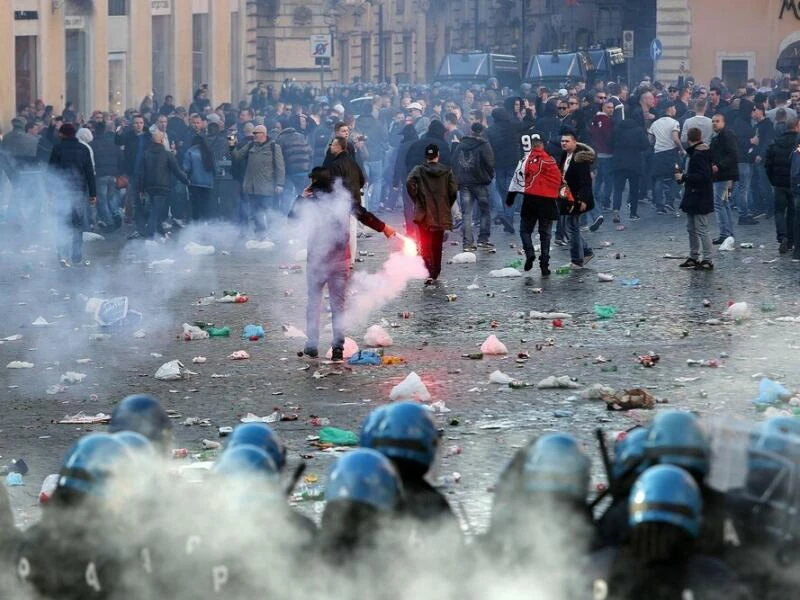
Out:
{"x": 25, "y": 69}
{"x": 734, "y": 72}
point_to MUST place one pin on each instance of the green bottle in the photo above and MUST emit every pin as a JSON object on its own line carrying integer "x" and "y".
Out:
{"x": 562, "y": 270}
{"x": 219, "y": 331}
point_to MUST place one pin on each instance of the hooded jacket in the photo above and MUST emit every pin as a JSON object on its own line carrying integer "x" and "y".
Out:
{"x": 579, "y": 174}
{"x": 408, "y": 138}
{"x": 473, "y": 161}
{"x": 433, "y": 188}
{"x": 504, "y": 137}
{"x": 698, "y": 193}
{"x": 629, "y": 141}
{"x": 725, "y": 155}
{"x": 744, "y": 130}
{"x": 72, "y": 158}
{"x": 157, "y": 165}
{"x": 296, "y": 151}
{"x": 434, "y": 135}
{"x": 778, "y": 161}
{"x": 601, "y": 130}
{"x": 107, "y": 155}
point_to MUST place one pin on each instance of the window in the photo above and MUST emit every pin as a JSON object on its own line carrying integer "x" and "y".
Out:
{"x": 199, "y": 49}
{"x": 162, "y": 55}
{"x": 734, "y": 72}
{"x": 366, "y": 58}
{"x": 344, "y": 60}
{"x": 236, "y": 58}
{"x": 117, "y": 82}
{"x": 25, "y": 47}
{"x": 117, "y": 8}
{"x": 76, "y": 69}
{"x": 400, "y": 7}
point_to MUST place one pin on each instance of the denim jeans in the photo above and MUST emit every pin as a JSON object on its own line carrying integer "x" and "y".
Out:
{"x": 741, "y": 190}
{"x": 158, "y": 203}
{"x": 620, "y": 177}
{"x": 603, "y": 182}
{"x": 760, "y": 191}
{"x": 107, "y": 199}
{"x": 664, "y": 192}
{"x": 497, "y": 201}
{"x": 69, "y": 235}
{"x": 526, "y": 227}
{"x": 254, "y": 206}
{"x": 502, "y": 179}
{"x": 722, "y": 208}
{"x": 697, "y": 226}
{"x": 578, "y": 248}
{"x": 796, "y": 221}
{"x": 471, "y": 195}
{"x": 784, "y": 214}
{"x": 296, "y": 183}
{"x": 336, "y": 274}
{"x": 374, "y": 175}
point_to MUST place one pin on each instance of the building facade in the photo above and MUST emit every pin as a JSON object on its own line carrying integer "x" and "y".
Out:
{"x": 109, "y": 54}
{"x": 735, "y": 40}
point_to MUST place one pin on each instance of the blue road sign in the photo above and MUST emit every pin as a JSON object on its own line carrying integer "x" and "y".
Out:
{"x": 656, "y": 49}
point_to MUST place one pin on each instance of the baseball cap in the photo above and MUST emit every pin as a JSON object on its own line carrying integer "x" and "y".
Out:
{"x": 414, "y": 105}
{"x": 214, "y": 118}
{"x": 431, "y": 151}
{"x": 563, "y": 92}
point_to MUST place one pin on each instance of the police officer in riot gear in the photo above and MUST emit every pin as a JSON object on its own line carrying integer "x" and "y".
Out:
{"x": 145, "y": 415}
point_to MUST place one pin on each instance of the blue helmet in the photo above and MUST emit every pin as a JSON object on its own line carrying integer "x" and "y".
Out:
{"x": 666, "y": 494}
{"x": 246, "y": 460}
{"x": 407, "y": 431}
{"x": 91, "y": 462}
{"x": 143, "y": 414}
{"x": 366, "y": 477}
{"x": 262, "y": 436}
{"x": 676, "y": 438}
{"x": 135, "y": 442}
{"x": 629, "y": 453}
{"x": 556, "y": 464}
{"x": 369, "y": 426}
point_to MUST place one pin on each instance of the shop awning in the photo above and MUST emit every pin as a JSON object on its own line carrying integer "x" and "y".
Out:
{"x": 789, "y": 60}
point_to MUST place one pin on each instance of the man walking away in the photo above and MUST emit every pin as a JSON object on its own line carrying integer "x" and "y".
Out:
{"x": 760, "y": 189}
{"x": 473, "y": 167}
{"x": 157, "y": 165}
{"x": 433, "y": 188}
{"x": 725, "y": 166}
{"x": 743, "y": 129}
{"x": 601, "y": 130}
{"x": 71, "y": 159}
{"x": 539, "y": 178}
{"x": 630, "y": 141}
{"x": 698, "y": 201}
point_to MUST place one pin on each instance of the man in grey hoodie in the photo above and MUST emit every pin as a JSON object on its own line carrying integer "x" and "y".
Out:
{"x": 473, "y": 167}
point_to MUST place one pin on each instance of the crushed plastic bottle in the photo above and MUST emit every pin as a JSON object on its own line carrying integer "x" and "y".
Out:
{"x": 604, "y": 312}
{"x": 219, "y": 331}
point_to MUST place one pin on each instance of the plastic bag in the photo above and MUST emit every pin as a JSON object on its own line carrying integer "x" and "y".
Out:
{"x": 547, "y": 316}
{"x": 72, "y": 377}
{"x": 554, "y": 382}
{"x": 605, "y": 277}
{"x": 728, "y": 244}
{"x": 464, "y": 258}
{"x": 192, "y": 332}
{"x": 239, "y": 355}
{"x": 19, "y": 364}
{"x": 493, "y": 346}
{"x": 377, "y": 336}
{"x": 253, "y": 332}
{"x": 771, "y": 392}
{"x": 738, "y": 311}
{"x": 500, "y": 378}
{"x": 411, "y": 388}
{"x": 198, "y": 249}
{"x": 40, "y": 322}
{"x": 604, "y": 312}
{"x": 259, "y": 245}
{"x": 172, "y": 371}
{"x": 507, "y": 272}
{"x": 337, "y": 437}
{"x": 365, "y": 357}
{"x": 350, "y": 348}
{"x": 290, "y": 331}
{"x": 90, "y": 236}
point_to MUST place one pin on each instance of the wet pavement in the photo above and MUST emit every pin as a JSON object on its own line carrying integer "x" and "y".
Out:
{"x": 674, "y": 313}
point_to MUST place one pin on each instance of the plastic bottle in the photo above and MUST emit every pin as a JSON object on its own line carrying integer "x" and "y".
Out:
{"x": 219, "y": 331}
{"x": 48, "y": 487}
{"x": 565, "y": 270}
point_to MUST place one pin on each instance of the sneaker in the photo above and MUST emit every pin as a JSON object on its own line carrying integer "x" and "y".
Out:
{"x": 661, "y": 211}
{"x": 470, "y": 248}
{"x": 689, "y": 263}
{"x": 337, "y": 355}
{"x": 560, "y": 242}
{"x": 310, "y": 352}
{"x": 615, "y": 218}
{"x": 705, "y": 265}
{"x": 783, "y": 248}
{"x": 545, "y": 270}
{"x": 576, "y": 266}
{"x": 634, "y": 218}
{"x": 747, "y": 221}
{"x": 795, "y": 257}
{"x": 429, "y": 281}
{"x": 135, "y": 235}
{"x": 584, "y": 228}
{"x": 587, "y": 258}
{"x": 65, "y": 263}
{"x": 719, "y": 240}
{"x": 761, "y": 215}
{"x": 529, "y": 263}
{"x": 597, "y": 223}
{"x": 486, "y": 245}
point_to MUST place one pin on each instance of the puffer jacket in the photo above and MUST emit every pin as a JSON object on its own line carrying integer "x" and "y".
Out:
{"x": 433, "y": 189}
{"x": 725, "y": 154}
{"x": 107, "y": 155}
{"x": 265, "y": 169}
{"x": 579, "y": 174}
{"x": 473, "y": 161}
{"x": 778, "y": 161}
{"x": 157, "y": 165}
{"x": 193, "y": 165}
{"x": 698, "y": 194}
{"x": 296, "y": 151}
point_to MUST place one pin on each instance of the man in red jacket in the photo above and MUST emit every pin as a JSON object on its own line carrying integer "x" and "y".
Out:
{"x": 538, "y": 178}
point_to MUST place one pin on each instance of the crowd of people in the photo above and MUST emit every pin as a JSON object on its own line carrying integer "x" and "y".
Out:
{"x": 163, "y": 166}
{"x": 120, "y": 523}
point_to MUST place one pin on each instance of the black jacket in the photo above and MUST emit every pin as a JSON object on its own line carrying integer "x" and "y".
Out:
{"x": 725, "y": 154}
{"x": 504, "y": 137}
{"x": 629, "y": 142}
{"x": 434, "y": 135}
{"x": 779, "y": 158}
{"x": 296, "y": 151}
{"x": 376, "y": 134}
{"x": 73, "y": 161}
{"x": 157, "y": 164}
{"x": 765, "y": 131}
{"x": 698, "y": 193}
{"x": 743, "y": 129}
{"x": 401, "y": 171}
{"x": 107, "y": 155}
{"x": 473, "y": 161}
{"x": 133, "y": 144}
{"x": 344, "y": 167}
{"x": 579, "y": 174}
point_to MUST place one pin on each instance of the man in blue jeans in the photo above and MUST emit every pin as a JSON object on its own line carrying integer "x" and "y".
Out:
{"x": 157, "y": 165}
{"x": 473, "y": 166}
{"x": 576, "y": 167}
{"x": 796, "y": 223}
{"x": 725, "y": 169}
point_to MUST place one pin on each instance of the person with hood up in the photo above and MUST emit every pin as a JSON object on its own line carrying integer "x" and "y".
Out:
{"x": 401, "y": 171}
{"x": 539, "y": 179}
{"x": 433, "y": 188}
{"x": 629, "y": 141}
{"x": 473, "y": 167}
{"x": 435, "y": 135}
{"x": 698, "y": 200}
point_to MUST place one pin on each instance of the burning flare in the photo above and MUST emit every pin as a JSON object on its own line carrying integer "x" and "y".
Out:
{"x": 409, "y": 245}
